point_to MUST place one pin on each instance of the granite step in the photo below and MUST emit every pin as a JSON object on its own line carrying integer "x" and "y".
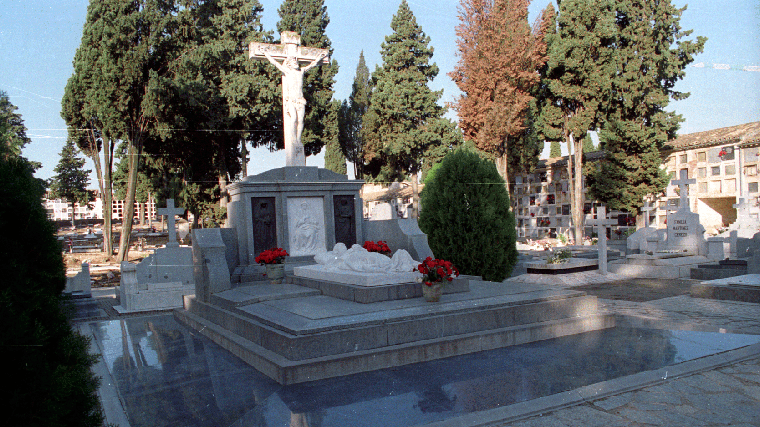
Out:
{"x": 313, "y": 336}
{"x": 252, "y": 292}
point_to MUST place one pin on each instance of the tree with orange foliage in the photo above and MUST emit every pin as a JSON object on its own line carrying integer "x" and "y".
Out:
{"x": 499, "y": 57}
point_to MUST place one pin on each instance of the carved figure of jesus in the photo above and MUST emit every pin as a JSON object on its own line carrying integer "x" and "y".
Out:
{"x": 293, "y": 104}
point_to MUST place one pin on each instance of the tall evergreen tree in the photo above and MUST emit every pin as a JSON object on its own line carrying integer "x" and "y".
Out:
{"x": 351, "y": 114}
{"x": 71, "y": 180}
{"x": 576, "y": 85}
{"x": 394, "y": 127}
{"x": 554, "y": 149}
{"x": 499, "y": 55}
{"x": 334, "y": 158}
{"x": 12, "y": 130}
{"x": 80, "y": 110}
{"x": 588, "y": 144}
{"x": 651, "y": 55}
{"x": 47, "y": 364}
{"x": 309, "y": 19}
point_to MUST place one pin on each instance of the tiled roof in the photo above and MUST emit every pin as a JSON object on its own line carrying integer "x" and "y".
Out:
{"x": 742, "y": 134}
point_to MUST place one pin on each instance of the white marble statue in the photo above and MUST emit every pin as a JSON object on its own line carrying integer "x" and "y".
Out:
{"x": 359, "y": 259}
{"x": 306, "y": 231}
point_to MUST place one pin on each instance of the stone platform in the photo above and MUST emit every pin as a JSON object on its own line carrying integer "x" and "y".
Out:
{"x": 745, "y": 288}
{"x": 573, "y": 265}
{"x": 657, "y": 266}
{"x": 294, "y": 334}
{"x": 376, "y": 293}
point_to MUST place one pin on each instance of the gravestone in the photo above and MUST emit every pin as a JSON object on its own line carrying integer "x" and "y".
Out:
{"x": 685, "y": 233}
{"x": 600, "y": 224}
{"x": 383, "y": 211}
{"x": 161, "y": 279}
{"x": 740, "y": 233}
{"x": 81, "y": 284}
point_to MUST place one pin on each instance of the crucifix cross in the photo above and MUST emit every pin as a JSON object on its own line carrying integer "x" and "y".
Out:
{"x": 288, "y": 57}
{"x": 170, "y": 211}
{"x": 683, "y": 190}
{"x": 600, "y": 224}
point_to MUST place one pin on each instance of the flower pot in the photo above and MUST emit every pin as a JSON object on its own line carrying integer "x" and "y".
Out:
{"x": 275, "y": 273}
{"x": 432, "y": 293}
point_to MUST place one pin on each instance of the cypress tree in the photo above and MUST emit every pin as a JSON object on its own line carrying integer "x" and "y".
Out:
{"x": 651, "y": 55}
{"x": 466, "y": 216}
{"x": 576, "y": 84}
{"x": 47, "y": 364}
{"x": 588, "y": 144}
{"x": 12, "y": 130}
{"x": 334, "y": 158}
{"x": 309, "y": 19}
{"x": 554, "y": 149}
{"x": 71, "y": 179}
{"x": 351, "y": 114}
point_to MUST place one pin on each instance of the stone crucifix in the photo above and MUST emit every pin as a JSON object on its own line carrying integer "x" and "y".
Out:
{"x": 288, "y": 57}
{"x": 170, "y": 211}
{"x": 646, "y": 209}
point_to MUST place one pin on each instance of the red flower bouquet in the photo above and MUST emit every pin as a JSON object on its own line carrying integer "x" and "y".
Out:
{"x": 379, "y": 247}
{"x": 272, "y": 256}
{"x": 436, "y": 271}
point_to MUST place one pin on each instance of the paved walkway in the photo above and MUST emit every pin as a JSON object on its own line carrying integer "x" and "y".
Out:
{"x": 724, "y": 395}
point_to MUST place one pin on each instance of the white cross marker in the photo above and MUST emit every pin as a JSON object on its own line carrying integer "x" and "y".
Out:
{"x": 170, "y": 211}
{"x": 601, "y": 224}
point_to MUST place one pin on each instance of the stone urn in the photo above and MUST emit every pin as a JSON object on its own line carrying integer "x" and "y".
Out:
{"x": 432, "y": 293}
{"x": 275, "y": 273}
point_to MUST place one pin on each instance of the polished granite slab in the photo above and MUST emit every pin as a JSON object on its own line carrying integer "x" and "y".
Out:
{"x": 168, "y": 375}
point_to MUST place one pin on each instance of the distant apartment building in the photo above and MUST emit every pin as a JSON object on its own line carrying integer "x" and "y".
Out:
{"x": 60, "y": 210}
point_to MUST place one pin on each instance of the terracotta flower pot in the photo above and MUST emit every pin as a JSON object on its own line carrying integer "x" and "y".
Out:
{"x": 432, "y": 293}
{"x": 275, "y": 273}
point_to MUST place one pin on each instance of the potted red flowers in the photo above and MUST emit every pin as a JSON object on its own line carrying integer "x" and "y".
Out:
{"x": 273, "y": 260}
{"x": 379, "y": 247}
{"x": 435, "y": 273}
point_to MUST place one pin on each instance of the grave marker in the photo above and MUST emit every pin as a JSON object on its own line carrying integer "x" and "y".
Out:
{"x": 601, "y": 224}
{"x": 170, "y": 211}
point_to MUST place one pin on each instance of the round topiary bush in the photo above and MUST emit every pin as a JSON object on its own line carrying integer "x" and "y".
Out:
{"x": 465, "y": 214}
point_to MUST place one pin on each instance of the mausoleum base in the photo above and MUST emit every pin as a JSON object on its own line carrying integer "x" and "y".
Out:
{"x": 297, "y": 336}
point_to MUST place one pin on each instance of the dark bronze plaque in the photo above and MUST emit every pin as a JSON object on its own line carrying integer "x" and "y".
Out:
{"x": 345, "y": 220}
{"x": 264, "y": 224}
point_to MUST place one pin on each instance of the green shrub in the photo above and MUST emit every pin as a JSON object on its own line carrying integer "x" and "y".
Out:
{"x": 465, "y": 214}
{"x": 47, "y": 378}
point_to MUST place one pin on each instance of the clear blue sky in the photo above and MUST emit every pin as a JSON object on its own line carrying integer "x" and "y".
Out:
{"x": 38, "y": 39}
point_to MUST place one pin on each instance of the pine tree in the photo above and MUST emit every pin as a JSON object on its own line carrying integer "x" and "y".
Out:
{"x": 334, "y": 158}
{"x": 351, "y": 114}
{"x": 576, "y": 85}
{"x": 71, "y": 180}
{"x": 651, "y": 56}
{"x": 309, "y": 19}
{"x": 499, "y": 55}
{"x": 394, "y": 127}
{"x": 12, "y": 130}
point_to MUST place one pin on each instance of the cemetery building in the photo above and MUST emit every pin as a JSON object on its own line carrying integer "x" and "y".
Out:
{"x": 724, "y": 163}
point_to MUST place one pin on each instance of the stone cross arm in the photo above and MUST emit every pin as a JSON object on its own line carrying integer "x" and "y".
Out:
{"x": 305, "y": 55}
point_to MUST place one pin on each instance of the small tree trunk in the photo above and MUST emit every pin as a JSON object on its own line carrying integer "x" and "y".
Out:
{"x": 133, "y": 156}
{"x": 108, "y": 197}
{"x": 578, "y": 187}
{"x": 415, "y": 198}
{"x": 73, "y": 216}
